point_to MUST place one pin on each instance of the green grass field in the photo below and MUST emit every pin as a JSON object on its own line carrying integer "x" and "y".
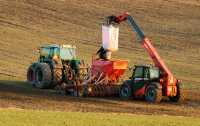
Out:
{"x": 49, "y": 118}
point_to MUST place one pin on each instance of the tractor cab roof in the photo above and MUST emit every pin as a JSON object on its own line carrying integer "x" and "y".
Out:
{"x": 58, "y": 46}
{"x": 67, "y": 46}
{"x": 50, "y": 46}
{"x": 146, "y": 66}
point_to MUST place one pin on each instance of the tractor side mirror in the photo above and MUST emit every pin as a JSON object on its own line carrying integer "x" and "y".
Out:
{"x": 131, "y": 68}
{"x": 36, "y": 51}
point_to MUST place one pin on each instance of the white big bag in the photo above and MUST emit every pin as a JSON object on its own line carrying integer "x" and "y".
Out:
{"x": 110, "y": 35}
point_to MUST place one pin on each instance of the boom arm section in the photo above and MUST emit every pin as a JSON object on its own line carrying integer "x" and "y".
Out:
{"x": 167, "y": 75}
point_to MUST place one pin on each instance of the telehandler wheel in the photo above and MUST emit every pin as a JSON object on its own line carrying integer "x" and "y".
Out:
{"x": 31, "y": 73}
{"x": 179, "y": 96}
{"x": 43, "y": 76}
{"x": 153, "y": 94}
{"x": 125, "y": 91}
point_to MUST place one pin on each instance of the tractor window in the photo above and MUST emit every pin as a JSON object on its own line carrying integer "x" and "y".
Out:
{"x": 154, "y": 73}
{"x": 56, "y": 51}
{"x": 138, "y": 72}
{"x": 146, "y": 73}
{"x": 67, "y": 53}
{"x": 45, "y": 52}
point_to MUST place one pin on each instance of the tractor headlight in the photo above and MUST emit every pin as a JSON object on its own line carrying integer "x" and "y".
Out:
{"x": 89, "y": 89}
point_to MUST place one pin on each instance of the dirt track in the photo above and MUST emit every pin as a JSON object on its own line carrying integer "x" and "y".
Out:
{"x": 24, "y": 97}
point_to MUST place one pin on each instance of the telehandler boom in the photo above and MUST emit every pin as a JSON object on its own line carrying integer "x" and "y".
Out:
{"x": 166, "y": 81}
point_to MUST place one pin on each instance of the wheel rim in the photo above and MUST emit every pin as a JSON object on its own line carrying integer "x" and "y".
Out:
{"x": 151, "y": 94}
{"x": 125, "y": 91}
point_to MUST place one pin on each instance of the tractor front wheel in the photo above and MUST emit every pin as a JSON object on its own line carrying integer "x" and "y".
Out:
{"x": 125, "y": 91}
{"x": 153, "y": 94}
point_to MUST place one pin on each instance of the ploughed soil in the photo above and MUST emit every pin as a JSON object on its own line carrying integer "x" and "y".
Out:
{"x": 23, "y": 96}
{"x": 172, "y": 25}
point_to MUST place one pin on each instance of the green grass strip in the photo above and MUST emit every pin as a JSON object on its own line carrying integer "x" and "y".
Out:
{"x": 12, "y": 117}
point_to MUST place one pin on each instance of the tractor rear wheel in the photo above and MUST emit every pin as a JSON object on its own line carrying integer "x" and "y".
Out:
{"x": 179, "y": 96}
{"x": 31, "y": 73}
{"x": 43, "y": 76}
{"x": 125, "y": 91}
{"x": 153, "y": 94}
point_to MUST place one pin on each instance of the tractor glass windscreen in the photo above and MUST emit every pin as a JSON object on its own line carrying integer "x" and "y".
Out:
{"x": 67, "y": 53}
{"x": 56, "y": 51}
{"x": 138, "y": 72}
{"x": 154, "y": 73}
{"x": 45, "y": 52}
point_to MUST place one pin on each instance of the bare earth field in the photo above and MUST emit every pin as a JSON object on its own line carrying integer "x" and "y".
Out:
{"x": 21, "y": 96}
{"x": 173, "y": 26}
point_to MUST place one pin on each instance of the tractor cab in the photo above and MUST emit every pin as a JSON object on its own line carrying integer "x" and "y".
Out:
{"x": 63, "y": 52}
{"x": 56, "y": 64}
{"x": 63, "y": 56}
{"x": 143, "y": 75}
{"x": 145, "y": 72}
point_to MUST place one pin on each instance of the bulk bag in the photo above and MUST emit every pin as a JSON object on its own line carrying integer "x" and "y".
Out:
{"x": 110, "y": 36}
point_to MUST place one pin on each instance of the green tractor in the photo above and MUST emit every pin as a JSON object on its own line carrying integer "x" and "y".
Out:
{"x": 57, "y": 66}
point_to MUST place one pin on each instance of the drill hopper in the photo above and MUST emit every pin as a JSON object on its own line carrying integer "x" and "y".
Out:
{"x": 112, "y": 69}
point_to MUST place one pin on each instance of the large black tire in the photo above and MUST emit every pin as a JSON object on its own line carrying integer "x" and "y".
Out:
{"x": 153, "y": 94}
{"x": 31, "y": 73}
{"x": 43, "y": 76}
{"x": 125, "y": 91}
{"x": 180, "y": 96}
